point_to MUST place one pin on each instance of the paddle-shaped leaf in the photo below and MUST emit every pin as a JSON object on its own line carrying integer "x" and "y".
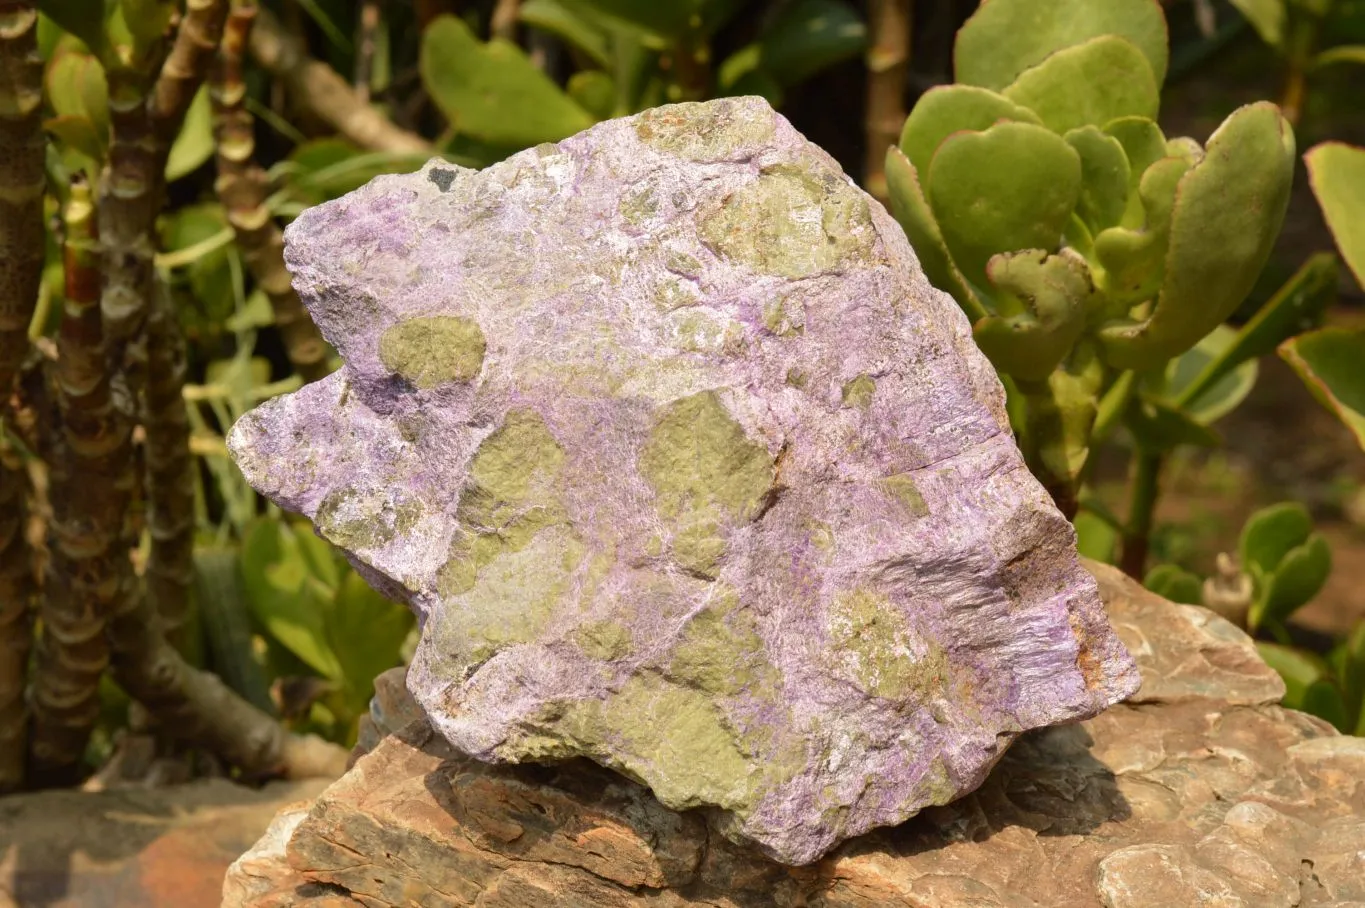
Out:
{"x": 1133, "y": 258}
{"x": 1228, "y": 211}
{"x": 1331, "y": 362}
{"x": 1005, "y": 37}
{"x": 1088, "y": 84}
{"x": 1337, "y": 174}
{"x": 493, "y": 92}
{"x": 910, "y": 209}
{"x": 1041, "y": 301}
{"x": 1104, "y": 177}
{"x": 1008, "y": 188}
{"x": 946, "y": 109}
{"x": 1296, "y": 307}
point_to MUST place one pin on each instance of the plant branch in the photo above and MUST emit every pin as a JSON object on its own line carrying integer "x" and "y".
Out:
{"x": 242, "y": 187}
{"x": 327, "y": 94}
{"x": 169, "y": 474}
{"x": 91, "y": 488}
{"x": 22, "y": 180}
{"x": 888, "y": 61}
{"x": 1137, "y": 534}
{"x": 197, "y": 707}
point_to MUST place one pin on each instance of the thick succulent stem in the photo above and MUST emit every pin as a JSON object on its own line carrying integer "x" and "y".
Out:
{"x": 92, "y": 481}
{"x": 197, "y": 707}
{"x": 888, "y": 61}
{"x": 327, "y": 94}
{"x": 21, "y": 265}
{"x": 145, "y": 119}
{"x": 145, "y": 122}
{"x": 242, "y": 187}
{"x": 183, "y": 73}
{"x": 16, "y": 620}
{"x": 1137, "y": 534}
{"x": 169, "y": 476}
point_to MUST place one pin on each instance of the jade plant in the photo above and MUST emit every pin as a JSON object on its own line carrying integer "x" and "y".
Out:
{"x": 1095, "y": 257}
{"x": 1300, "y": 32}
{"x": 1328, "y": 360}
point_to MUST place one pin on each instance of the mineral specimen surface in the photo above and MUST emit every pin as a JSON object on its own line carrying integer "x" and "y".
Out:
{"x": 688, "y": 470}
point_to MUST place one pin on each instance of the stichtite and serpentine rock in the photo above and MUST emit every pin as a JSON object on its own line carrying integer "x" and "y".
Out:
{"x": 688, "y": 470}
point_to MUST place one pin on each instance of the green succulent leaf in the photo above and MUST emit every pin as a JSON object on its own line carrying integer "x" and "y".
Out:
{"x": 1104, "y": 177}
{"x": 810, "y": 35}
{"x": 1041, "y": 301}
{"x": 662, "y": 21}
{"x": 1345, "y": 53}
{"x": 288, "y": 600}
{"x": 1175, "y": 583}
{"x": 1351, "y": 661}
{"x": 1267, "y": 17}
{"x": 1228, "y": 211}
{"x": 1323, "y": 699}
{"x": 575, "y": 26}
{"x": 1088, "y": 84}
{"x": 75, "y": 86}
{"x": 1061, "y": 413}
{"x": 1158, "y": 427}
{"x": 493, "y": 92}
{"x": 1298, "y": 577}
{"x": 194, "y": 143}
{"x": 1271, "y": 533}
{"x": 1296, "y": 307}
{"x": 1096, "y": 537}
{"x": 1143, "y": 145}
{"x": 147, "y": 20}
{"x": 1005, "y": 37}
{"x": 1008, "y": 188}
{"x": 1336, "y": 172}
{"x": 1329, "y": 361}
{"x": 1134, "y": 259}
{"x": 1299, "y": 669}
{"x": 366, "y": 631}
{"x": 912, "y": 213}
{"x": 594, "y": 91}
{"x": 82, "y": 137}
{"x": 1219, "y": 397}
{"x": 324, "y": 169}
{"x": 946, "y": 109}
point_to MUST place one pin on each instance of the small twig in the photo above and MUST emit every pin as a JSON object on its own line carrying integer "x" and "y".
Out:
{"x": 367, "y": 30}
{"x": 242, "y": 187}
{"x": 317, "y": 86}
{"x": 503, "y": 23}
{"x": 888, "y": 60}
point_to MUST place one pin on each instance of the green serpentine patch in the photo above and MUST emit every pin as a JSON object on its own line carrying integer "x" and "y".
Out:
{"x": 433, "y": 350}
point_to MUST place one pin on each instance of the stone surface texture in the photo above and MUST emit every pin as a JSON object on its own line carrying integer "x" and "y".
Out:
{"x": 1198, "y": 791}
{"x": 687, "y": 470}
{"x": 151, "y": 848}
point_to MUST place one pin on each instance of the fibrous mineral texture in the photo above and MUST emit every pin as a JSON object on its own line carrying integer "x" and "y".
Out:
{"x": 687, "y": 470}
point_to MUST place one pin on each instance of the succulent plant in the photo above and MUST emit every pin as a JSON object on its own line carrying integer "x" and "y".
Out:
{"x": 1082, "y": 242}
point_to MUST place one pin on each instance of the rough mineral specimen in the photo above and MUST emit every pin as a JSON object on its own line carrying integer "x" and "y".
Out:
{"x": 687, "y": 470}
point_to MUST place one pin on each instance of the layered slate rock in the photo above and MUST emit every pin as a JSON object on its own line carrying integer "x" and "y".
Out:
{"x": 687, "y": 470}
{"x": 1197, "y": 791}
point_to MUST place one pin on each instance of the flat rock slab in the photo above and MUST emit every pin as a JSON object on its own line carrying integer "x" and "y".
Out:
{"x": 689, "y": 471}
{"x": 151, "y": 848}
{"x": 1198, "y": 791}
